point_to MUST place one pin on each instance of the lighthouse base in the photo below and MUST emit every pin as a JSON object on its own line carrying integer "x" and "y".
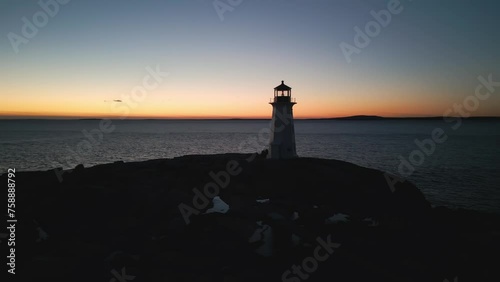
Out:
{"x": 279, "y": 151}
{"x": 282, "y": 143}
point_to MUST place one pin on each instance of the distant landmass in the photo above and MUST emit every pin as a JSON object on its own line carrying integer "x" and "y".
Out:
{"x": 367, "y": 117}
{"x": 357, "y": 117}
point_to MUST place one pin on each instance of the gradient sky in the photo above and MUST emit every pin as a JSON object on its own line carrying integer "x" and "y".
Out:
{"x": 93, "y": 52}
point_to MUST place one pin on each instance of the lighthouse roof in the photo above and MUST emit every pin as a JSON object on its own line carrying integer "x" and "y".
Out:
{"x": 282, "y": 87}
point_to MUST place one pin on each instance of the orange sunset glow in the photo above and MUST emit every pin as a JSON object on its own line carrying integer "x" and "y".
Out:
{"x": 215, "y": 69}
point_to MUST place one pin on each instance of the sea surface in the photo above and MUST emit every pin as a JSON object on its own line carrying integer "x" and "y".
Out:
{"x": 463, "y": 171}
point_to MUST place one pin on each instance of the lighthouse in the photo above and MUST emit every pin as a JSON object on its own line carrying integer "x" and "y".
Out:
{"x": 282, "y": 143}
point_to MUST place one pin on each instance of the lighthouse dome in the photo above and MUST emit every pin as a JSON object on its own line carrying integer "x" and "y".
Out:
{"x": 282, "y": 87}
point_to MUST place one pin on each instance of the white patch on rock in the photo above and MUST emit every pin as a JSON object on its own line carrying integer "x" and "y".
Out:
{"x": 337, "y": 218}
{"x": 263, "y": 234}
{"x": 263, "y": 201}
{"x": 219, "y": 206}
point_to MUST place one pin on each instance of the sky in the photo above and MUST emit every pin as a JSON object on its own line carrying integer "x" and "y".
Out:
{"x": 222, "y": 59}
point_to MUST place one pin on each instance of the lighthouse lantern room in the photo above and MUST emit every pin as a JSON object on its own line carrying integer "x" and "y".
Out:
{"x": 282, "y": 143}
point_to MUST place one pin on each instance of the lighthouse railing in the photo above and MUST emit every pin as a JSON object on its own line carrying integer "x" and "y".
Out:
{"x": 282, "y": 99}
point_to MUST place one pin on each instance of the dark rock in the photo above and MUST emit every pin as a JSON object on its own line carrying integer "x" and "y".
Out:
{"x": 128, "y": 215}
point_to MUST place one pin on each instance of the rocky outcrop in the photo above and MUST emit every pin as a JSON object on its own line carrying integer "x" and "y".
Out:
{"x": 238, "y": 217}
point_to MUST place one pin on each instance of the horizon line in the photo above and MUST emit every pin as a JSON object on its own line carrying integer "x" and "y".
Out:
{"x": 354, "y": 117}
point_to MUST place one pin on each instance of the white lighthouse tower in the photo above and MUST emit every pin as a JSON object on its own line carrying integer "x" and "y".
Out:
{"x": 282, "y": 143}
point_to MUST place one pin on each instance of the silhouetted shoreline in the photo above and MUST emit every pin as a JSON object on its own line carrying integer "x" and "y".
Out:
{"x": 269, "y": 216}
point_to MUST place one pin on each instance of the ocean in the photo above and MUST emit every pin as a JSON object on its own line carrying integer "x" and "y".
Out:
{"x": 463, "y": 171}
